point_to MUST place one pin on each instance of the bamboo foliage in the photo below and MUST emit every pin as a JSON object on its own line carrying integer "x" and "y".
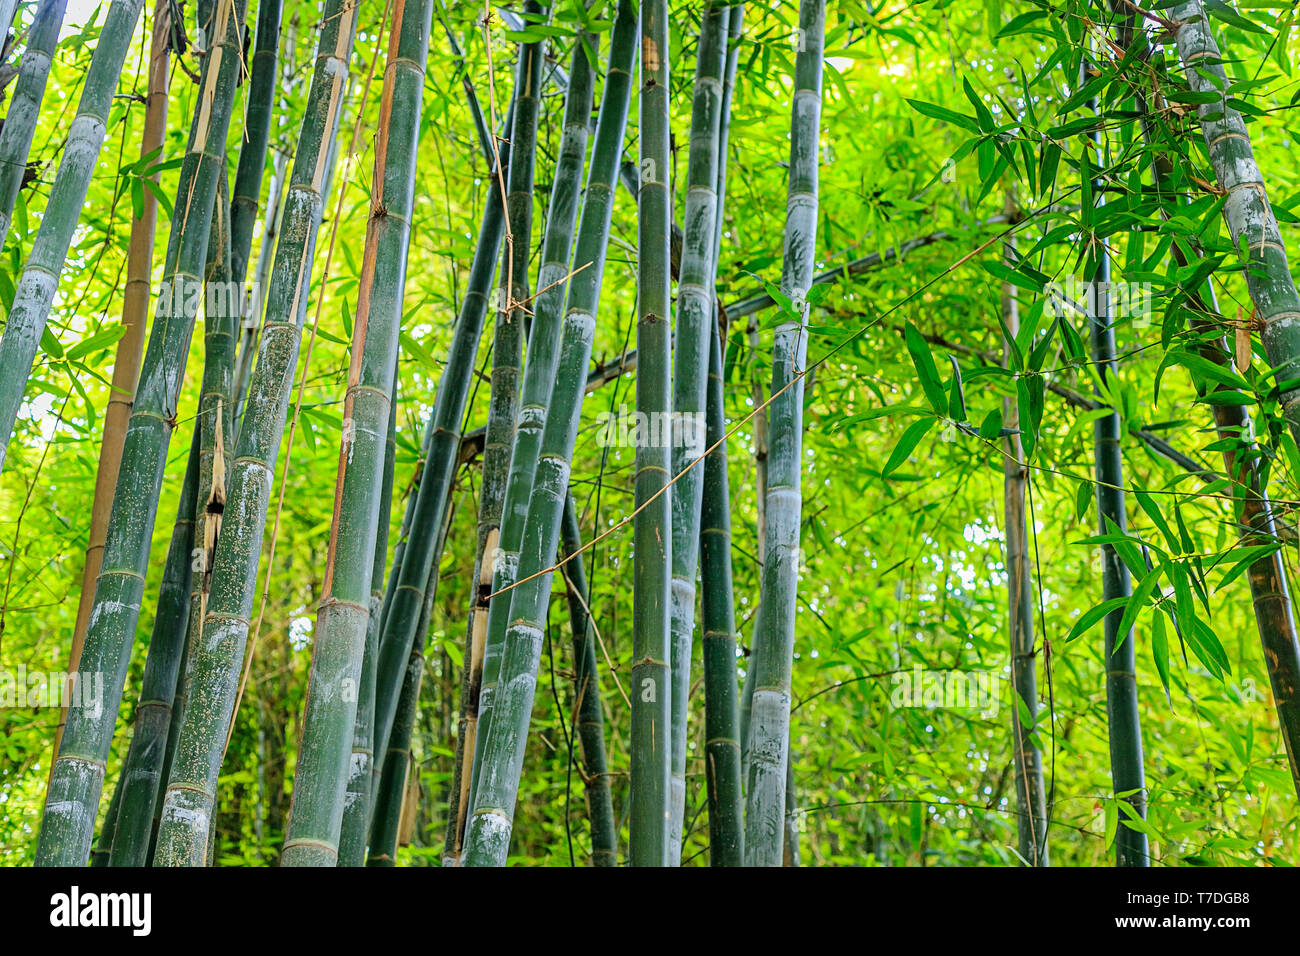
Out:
{"x": 696, "y": 311}
{"x": 74, "y": 790}
{"x": 338, "y": 649}
{"x": 487, "y": 839}
{"x": 507, "y": 343}
{"x": 191, "y": 788}
{"x": 40, "y": 276}
{"x": 29, "y": 90}
{"x": 769, "y": 722}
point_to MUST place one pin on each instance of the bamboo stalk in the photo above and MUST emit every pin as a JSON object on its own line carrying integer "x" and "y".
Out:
{"x": 126, "y": 357}
{"x": 146, "y": 759}
{"x": 717, "y": 619}
{"x": 25, "y": 106}
{"x": 1123, "y": 722}
{"x": 1244, "y": 464}
{"x": 696, "y": 311}
{"x": 205, "y": 484}
{"x": 420, "y": 554}
{"x": 108, "y": 833}
{"x": 717, "y": 603}
{"x": 510, "y": 503}
{"x": 773, "y": 659}
{"x": 73, "y": 795}
{"x": 390, "y": 785}
{"x": 191, "y": 789}
{"x": 255, "y": 305}
{"x": 506, "y": 353}
{"x": 589, "y": 721}
{"x": 338, "y": 647}
{"x": 397, "y": 760}
{"x": 361, "y": 768}
{"x": 1246, "y": 209}
{"x": 1031, "y": 804}
{"x": 256, "y": 134}
{"x": 487, "y": 837}
{"x": 651, "y": 738}
{"x": 1268, "y": 279}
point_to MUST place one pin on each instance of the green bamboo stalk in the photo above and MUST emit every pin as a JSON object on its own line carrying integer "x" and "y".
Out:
{"x": 75, "y": 786}
{"x": 1246, "y": 209}
{"x": 735, "y": 27}
{"x": 508, "y": 502}
{"x": 390, "y": 785}
{"x": 650, "y": 820}
{"x": 8, "y": 8}
{"x": 723, "y": 776}
{"x": 507, "y": 345}
{"x": 257, "y": 133}
{"x": 696, "y": 310}
{"x": 191, "y": 789}
{"x": 1031, "y": 803}
{"x": 361, "y": 767}
{"x": 40, "y": 276}
{"x": 401, "y": 616}
{"x": 476, "y": 629}
{"x": 130, "y": 347}
{"x": 142, "y": 772}
{"x": 404, "y": 530}
{"x": 270, "y": 233}
{"x": 1268, "y": 279}
{"x": 717, "y": 618}
{"x": 487, "y": 837}
{"x": 589, "y": 724}
{"x": 774, "y": 636}
{"x": 29, "y": 90}
{"x": 790, "y": 845}
{"x": 397, "y": 760}
{"x": 338, "y": 647}
{"x": 215, "y": 420}
{"x": 1124, "y": 725}
{"x": 1245, "y": 464}
{"x": 108, "y": 833}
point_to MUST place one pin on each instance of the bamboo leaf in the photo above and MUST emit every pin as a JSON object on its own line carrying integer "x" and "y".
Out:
{"x": 925, "y": 369}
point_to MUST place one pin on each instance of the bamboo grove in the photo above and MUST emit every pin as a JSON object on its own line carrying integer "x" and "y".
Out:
{"x": 650, "y": 433}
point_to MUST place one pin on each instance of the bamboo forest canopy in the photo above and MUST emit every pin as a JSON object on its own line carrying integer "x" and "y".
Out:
{"x": 648, "y": 432}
